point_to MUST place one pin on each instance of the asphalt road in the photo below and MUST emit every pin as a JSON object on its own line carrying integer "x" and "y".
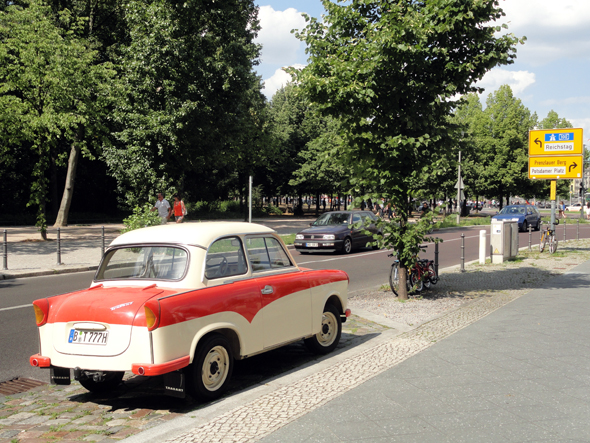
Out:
{"x": 366, "y": 268}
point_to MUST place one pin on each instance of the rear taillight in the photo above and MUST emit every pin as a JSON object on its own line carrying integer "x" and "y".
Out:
{"x": 152, "y": 314}
{"x": 41, "y": 308}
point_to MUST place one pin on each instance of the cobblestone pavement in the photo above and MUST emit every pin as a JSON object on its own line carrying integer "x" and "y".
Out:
{"x": 69, "y": 413}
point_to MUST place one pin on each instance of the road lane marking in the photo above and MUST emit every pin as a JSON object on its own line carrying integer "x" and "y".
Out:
{"x": 376, "y": 252}
{"x": 16, "y": 307}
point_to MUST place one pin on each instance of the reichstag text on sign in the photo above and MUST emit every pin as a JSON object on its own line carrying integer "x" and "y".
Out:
{"x": 552, "y": 147}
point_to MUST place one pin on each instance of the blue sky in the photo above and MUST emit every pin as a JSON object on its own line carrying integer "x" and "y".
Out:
{"x": 550, "y": 73}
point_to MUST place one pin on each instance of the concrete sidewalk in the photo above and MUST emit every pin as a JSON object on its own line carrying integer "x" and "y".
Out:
{"x": 520, "y": 374}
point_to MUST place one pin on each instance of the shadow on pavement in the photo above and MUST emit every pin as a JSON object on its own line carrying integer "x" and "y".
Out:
{"x": 148, "y": 392}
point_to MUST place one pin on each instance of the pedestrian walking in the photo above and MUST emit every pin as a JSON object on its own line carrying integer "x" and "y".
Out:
{"x": 587, "y": 210}
{"x": 561, "y": 210}
{"x": 179, "y": 209}
{"x": 163, "y": 208}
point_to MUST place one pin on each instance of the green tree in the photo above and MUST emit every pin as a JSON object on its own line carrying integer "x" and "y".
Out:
{"x": 51, "y": 93}
{"x": 187, "y": 70}
{"x": 390, "y": 72}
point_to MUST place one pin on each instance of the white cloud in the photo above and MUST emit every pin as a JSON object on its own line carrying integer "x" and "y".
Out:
{"x": 279, "y": 46}
{"x": 583, "y": 123}
{"x": 567, "y": 101}
{"x": 554, "y": 30}
{"x": 546, "y": 14}
{"x": 279, "y": 79}
{"x": 517, "y": 80}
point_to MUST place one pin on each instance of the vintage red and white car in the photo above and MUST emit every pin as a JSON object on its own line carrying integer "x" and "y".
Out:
{"x": 185, "y": 301}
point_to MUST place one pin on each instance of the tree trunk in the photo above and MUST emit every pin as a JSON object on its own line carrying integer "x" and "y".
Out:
{"x": 53, "y": 184}
{"x": 66, "y": 200}
{"x": 317, "y": 204}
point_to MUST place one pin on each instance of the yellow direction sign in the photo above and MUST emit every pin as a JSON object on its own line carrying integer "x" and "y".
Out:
{"x": 554, "y": 167}
{"x": 556, "y": 142}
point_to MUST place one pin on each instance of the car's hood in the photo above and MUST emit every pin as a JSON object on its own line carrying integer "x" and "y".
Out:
{"x": 113, "y": 305}
{"x": 507, "y": 216}
{"x": 329, "y": 229}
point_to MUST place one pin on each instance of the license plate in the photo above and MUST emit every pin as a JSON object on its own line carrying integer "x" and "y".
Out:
{"x": 311, "y": 245}
{"x": 88, "y": 337}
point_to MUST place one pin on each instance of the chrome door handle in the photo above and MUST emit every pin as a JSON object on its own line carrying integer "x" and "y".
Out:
{"x": 267, "y": 290}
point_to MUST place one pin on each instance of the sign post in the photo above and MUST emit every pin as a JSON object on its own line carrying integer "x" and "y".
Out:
{"x": 556, "y": 154}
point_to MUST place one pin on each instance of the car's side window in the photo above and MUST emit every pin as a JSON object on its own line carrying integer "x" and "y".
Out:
{"x": 356, "y": 218}
{"x": 278, "y": 256}
{"x": 225, "y": 258}
{"x": 266, "y": 253}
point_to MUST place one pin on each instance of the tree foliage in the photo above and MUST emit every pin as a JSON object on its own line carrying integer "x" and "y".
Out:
{"x": 52, "y": 87}
{"x": 187, "y": 70}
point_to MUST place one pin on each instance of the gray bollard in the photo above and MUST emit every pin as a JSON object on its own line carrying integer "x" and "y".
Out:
{"x": 5, "y": 253}
{"x": 530, "y": 237}
{"x": 462, "y": 252}
{"x": 58, "y": 246}
{"x": 102, "y": 250}
{"x": 436, "y": 258}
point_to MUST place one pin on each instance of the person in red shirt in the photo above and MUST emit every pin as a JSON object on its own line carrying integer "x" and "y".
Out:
{"x": 179, "y": 209}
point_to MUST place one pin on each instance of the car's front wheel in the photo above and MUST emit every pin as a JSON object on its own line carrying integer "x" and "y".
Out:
{"x": 211, "y": 368}
{"x": 328, "y": 338}
{"x": 110, "y": 381}
{"x": 347, "y": 245}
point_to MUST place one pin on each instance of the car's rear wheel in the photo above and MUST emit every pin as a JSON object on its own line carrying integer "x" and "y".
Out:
{"x": 525, "y": 226}
{"x": 211, "y": 368}
{"x": 347, "y": 245}
{"x": 111, "y": 380}
{"x": 328, "y": 338}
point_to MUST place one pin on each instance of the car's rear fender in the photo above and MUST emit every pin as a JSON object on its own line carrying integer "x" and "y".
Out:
{"x": 228, "y": 330}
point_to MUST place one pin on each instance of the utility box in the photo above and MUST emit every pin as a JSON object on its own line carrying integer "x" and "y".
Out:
{"x": 501, "y": 240}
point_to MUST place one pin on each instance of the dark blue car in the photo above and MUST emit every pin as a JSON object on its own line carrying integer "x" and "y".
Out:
{"x": 525, "y": 215}
{"x": 337, "y": 231}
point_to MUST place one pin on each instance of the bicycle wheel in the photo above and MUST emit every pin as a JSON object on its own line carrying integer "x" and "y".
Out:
{"x": 425, "y": 277}
{"x": 543, "y": 241}
{"x": 552, "y": 244}
{"x": 394, "y": 278}
{"x": 416, "y": 283}
{"x": 432, "y": 274}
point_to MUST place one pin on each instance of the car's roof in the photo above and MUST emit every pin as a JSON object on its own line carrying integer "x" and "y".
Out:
{"x": 189, "y": 233}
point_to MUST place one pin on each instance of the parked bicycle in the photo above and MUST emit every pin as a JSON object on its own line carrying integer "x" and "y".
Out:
{"x": 421, "y": 275}
{"x": 548, "y": 236}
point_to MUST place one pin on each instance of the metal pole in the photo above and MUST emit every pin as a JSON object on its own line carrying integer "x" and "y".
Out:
{"x": 530, "y": 237}
{"x": 58, "y": 247}
{"x": 578, "y": 230}
{"x": 250, "y": 203}
{"x": 459, "y": 191}
{"x": 5, "y": 253}
{"x": 102, "y": 250}
{"x": 462, "y": 252}
{"x": 436, "y": 258}
{"x": 564, "y": 226}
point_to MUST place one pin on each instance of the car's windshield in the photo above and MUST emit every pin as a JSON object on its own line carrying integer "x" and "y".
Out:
{"x": 332, "y": 219}
{"x": 513, "y": 210}
{"x": 143, "y": 262}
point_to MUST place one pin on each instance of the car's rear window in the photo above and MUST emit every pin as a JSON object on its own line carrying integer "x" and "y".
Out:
{"x": 144, "y": 262}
